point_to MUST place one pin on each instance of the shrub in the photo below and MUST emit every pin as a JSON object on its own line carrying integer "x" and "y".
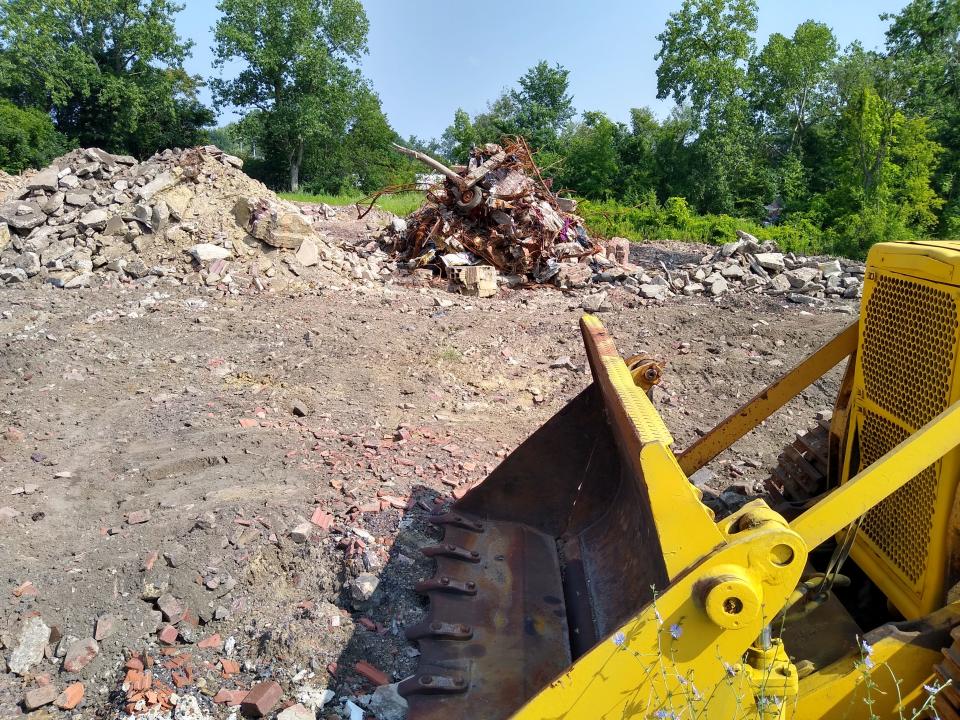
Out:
{"x": 27, "y": 138}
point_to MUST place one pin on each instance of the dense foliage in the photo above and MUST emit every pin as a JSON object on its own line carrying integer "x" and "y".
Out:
{"x": 837, "y": 149}
{"x": 818, "y": 146}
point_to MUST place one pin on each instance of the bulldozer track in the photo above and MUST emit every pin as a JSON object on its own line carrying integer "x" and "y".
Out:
{"x": 947, "y": 702}
{"x": 801, "y": 470}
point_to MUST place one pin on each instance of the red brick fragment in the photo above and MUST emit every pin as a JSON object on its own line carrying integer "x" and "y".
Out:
{"x": 70, "y": 697}
{"x": 321, "y": 519}
{"x": 79, "y": 654}
{"x": 261, "y": 699}
{"x": 168, "y": 635}
{"x": 134, "y": 663}
{"x": 248, "y": 423}
{"x": 137, "y": 517}
{"x": 214, "y": 641}
{"x": 377, "y": 677}
{"x": 229, "y": 667}
{"x": 230, "y": 698}
{"x": 38, "y": 697}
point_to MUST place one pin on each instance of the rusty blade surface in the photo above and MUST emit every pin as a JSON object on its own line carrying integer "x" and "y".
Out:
{"x": 484, "y": 654}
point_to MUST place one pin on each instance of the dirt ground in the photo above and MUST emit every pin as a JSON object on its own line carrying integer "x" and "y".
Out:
{"x": 235, "y": 419}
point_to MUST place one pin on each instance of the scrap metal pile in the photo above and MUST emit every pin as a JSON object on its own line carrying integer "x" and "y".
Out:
{"x": 497, "y": 210}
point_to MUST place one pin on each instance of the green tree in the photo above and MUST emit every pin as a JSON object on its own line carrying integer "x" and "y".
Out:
{"x": 27, "y": 138}
{"x": 789, "y": 80}
{"x": 459, "y": 138}
{"x": 110, "y": 72}
{"x": 299, "y": 71}
{"x": 923, "y": 46}
{"x": 592, "y": 163}
{"x": 542, "y": 104}
{"x": 704, "y": 54}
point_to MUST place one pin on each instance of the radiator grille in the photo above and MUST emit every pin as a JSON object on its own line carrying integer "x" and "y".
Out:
{"x": 909, "y": 333}
{"x": 899, "y": 526}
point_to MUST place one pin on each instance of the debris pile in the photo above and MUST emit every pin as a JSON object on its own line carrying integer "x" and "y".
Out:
{"x": 744, "y": 265}
{"x": 189, "y": 216}
{"x": 497, "y": 211}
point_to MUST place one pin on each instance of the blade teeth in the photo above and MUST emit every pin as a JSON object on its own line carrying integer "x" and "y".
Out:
{"x": 454, "y": 552}
{"x": 434, "y": 629}
{"x": 443, "y": 583}
{"x": 433, "y": 684}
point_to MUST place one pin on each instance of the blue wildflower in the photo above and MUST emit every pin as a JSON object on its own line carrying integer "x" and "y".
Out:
{"x": 619, "y": 639}
{"x": 676, "y": 631}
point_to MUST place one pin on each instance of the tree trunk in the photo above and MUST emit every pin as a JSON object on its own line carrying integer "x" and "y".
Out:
{"x": 296, "y": 159}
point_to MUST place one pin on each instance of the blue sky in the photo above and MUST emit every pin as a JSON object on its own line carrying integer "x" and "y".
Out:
{"x": 607, "y": 46}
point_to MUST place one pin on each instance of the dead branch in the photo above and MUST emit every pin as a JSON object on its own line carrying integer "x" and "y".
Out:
{"x": 435, "y": 164}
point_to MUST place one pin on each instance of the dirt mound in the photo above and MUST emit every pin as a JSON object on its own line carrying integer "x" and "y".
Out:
{"x": 188, "y": 216}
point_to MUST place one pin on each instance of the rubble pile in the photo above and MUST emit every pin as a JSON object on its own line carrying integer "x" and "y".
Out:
{"x": 744, "y": 265}
{"x": 495, "y": 211}
{"x": 190, "y": 216}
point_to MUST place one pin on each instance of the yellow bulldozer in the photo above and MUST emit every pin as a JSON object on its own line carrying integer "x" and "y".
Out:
{"x": 585, "y": 578}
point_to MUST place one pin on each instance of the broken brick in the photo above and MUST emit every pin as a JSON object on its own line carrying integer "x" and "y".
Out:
{"x": 168, "y": 635}
{"x": 230, "y": 698}
{"x": 137, "y": 517}
{"x": 79, "y": 654}
{"x": 321, "y": 519}
{"x": 213, "y": 641}
{"x": 172, "y": 609}
{"x": 248, "y": 423}
{"x": 377, "y": 677}
{"x": 38, "y": 697}
{"x": 105, "y": 626}
{"x": 229, "y": 667}
{"x": 261, "y": 699}
{"x": 70, "y": 697}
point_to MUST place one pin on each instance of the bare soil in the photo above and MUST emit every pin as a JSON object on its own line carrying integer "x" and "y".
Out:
{"x": 180, "y": 400}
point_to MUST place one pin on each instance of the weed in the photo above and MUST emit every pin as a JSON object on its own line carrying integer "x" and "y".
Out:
{"x": 401, "y": 204}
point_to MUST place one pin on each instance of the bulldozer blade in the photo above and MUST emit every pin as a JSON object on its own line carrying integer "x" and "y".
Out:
{"x": 551, "y": 552}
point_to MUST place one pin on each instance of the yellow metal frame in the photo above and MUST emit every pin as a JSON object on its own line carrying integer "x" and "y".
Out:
{"x": 936, "y": 267}
{"x": 768, "y": 401}
{"x": 684, "y": 652}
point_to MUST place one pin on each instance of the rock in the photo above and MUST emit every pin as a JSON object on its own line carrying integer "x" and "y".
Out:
{"x": 96, "y": 218}
{"x": 207, "y": 252}
{"x": 4, "y": 236}
{"x": 69, "y": 182}
{"x": 363, "y": 587}
{"x": 188, "y": 708}
{"x": 47, "y": 179}
{"x": 571, "y": 276}
{"x": 772, "y": 261}
{"x": 730, "y": 249}
{"x": 29, "y": 262}
{"x": 11, "y": 275}
{"x": 115, "y": 226}
{"x": 288, "y": 230}
{"x": 852, "y": 292}
{"x": 297, "y": 712}
{"x": 301, "y": 533}
{"x": 703, "y": 477}
{"x": 38, "y": 697}
{"x": 79, "y": 654}
{"x": 779, "y": 284}
{"x": 654, "y": 292}
{"x": 693, "y": 289}
{"x": 22, "y": 215}
{"x": 831, "y": 267}
{"x": 595, "y": 302}
{"x": 717, "y": 287}
{"x": 160, "y": 183}
{"x": 398, "y": 225}
{"x": 160, "y": 214}
{"x": 34, "y": 635}
{"x": 732, "y": 272}
{"x": 308, "y": 254}
{"x": 80, "y": 281}
{"x": 803, "y": 299}
{"x": 387, "y": 703}
{"x": 172, "y": 609}
{"x": 314, "y": 698}
{"x": 801, "y": 276}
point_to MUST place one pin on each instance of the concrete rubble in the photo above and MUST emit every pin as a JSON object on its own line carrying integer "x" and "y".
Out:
{"x": 182, "y": 217}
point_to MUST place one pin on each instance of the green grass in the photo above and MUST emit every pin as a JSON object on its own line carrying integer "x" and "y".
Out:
{"x": 401, "y": 204}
